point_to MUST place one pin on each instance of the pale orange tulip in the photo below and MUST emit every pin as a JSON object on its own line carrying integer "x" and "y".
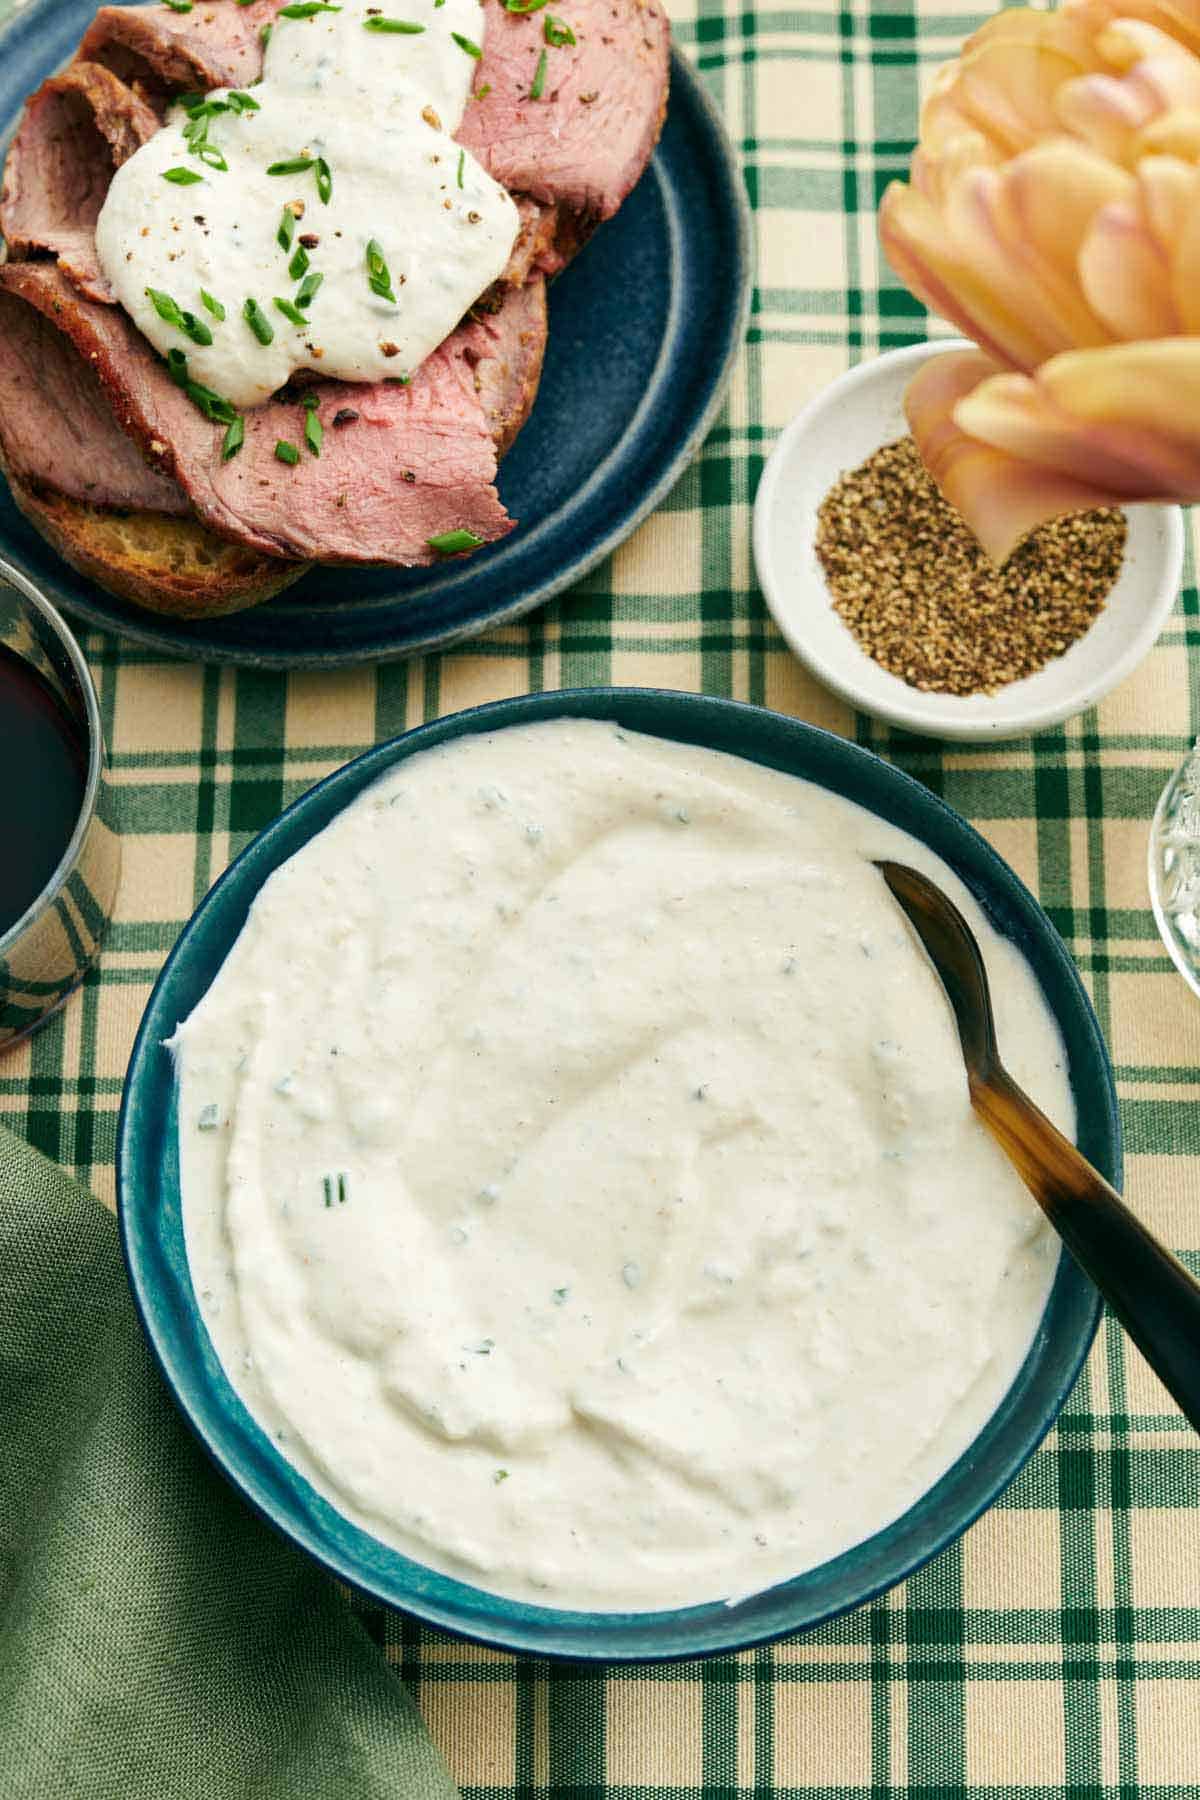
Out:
{"x": 1053, "y": 216}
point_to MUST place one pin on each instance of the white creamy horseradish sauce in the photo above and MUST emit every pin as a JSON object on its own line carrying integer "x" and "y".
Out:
{"x": 334, "y": 187}
{"x": 579, "y": 1179}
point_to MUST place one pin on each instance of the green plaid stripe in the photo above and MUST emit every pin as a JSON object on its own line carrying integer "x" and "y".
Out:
{"x": 1056, "y": 1650}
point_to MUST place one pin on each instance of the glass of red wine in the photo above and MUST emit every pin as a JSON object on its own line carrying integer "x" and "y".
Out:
{"x": 60, "y": 859}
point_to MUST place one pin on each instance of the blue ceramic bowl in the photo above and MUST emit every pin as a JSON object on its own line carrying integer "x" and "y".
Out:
{"x": 152, "y": 1231}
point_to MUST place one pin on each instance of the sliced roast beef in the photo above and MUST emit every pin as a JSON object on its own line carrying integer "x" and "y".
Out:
{"x": 504, "y": 348}
{"x": 56, "y": 426}
{"x": 159, "y": 51}
{"x": 588, "y": 135}
{"x": 409, "y": 463}
{"x": 75, "y": 131}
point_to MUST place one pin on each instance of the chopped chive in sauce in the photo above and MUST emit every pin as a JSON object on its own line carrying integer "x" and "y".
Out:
{"x": 453, "y": 543}
{"x": 240, "y": 102}
{"x": 208, "y": 153}
{"x": 258, "y": 321}
{"x": 295, "y": 165}
{"x": 401, "y": 27}
{"x": 378, "y": 275}
{"x": 333, "y": 1187}
{"x": 539, "y": 79}
{"x": 171, "y": 313}
{"x": 290, "y": 311}
{"x": 287, "y": 229}
{"x": 264, "y": 36}
{"x": 557, "y": 32}
{"x": 211, "y": 305}
{"x": 467, "y": 44}
{"x": 523, "y": 6}
{"x": 483, "y": 92}
{"x": 288, "y": 453}
{"x": 306, "y": 9}
{"x": 324, "y": 180}
{"x": 209, "y": 1117}
{"x": 299, "y": 263}
{"x": 234, "y": 438}
{"x": 462, "y": 157}
{"x": 314, "y": 431}
{"x": 308, "y": 287}
{"x": 180, "y": 6}
{"x": 499, "y": 1476}
{"x": 182, "y": 177}
{"x": 213, "y": 406}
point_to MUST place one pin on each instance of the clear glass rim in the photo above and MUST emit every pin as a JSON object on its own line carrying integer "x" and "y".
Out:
{"x": 37, "y": 603}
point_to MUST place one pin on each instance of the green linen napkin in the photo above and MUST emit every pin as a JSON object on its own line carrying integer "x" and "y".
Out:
{"x": 157, "y": 1640}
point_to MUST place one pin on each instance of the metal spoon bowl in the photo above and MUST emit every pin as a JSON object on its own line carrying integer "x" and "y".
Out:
{"x": 1149, "y": 1290}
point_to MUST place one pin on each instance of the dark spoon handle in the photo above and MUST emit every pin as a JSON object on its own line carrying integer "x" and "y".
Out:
{"x": 1150, "y": 1291}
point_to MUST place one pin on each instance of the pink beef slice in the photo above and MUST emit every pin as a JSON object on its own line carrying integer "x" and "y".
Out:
{"x": 56, "y": 426}
{"x": 159, "y": 51}
{"x": 74, "y": 132}
{"x": 411, "y": 462}
{"x": 588, "y": 137}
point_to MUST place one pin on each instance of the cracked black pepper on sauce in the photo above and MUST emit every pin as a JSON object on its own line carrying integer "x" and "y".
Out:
{"x": 924, "y": 600}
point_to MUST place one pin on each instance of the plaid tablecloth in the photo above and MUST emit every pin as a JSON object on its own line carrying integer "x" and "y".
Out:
{"x": 1056, "y": 1650}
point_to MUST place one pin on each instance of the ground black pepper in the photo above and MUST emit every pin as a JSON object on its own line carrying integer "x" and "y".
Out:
{"x": 922, "y": 598}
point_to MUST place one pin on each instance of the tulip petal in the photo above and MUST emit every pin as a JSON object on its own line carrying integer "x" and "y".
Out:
{"x": 1125, "y": 274}
{"x": 919, "y": 249}
{"x": 1000, "y": 497}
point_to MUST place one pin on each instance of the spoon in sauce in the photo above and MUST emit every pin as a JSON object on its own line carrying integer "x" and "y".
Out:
{"x": 1148, "y": 1289}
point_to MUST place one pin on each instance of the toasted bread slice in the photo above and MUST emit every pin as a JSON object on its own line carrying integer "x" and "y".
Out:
{"x": 168, "y": 565}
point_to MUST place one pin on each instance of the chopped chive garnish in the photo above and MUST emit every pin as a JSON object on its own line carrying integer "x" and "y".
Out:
{"x": 182, "y": 177}
{"x": 213, "y": 406}
{"x": 234, "y": 438}
{"x": 288, "y": 453}
{"x": 308, "y": 287}
{"x": 187, "y": 101}
{"x": 324, "y": 180}
{"x": 462, "y": 157}
{"x": 523, "y": 6}
{"x": 465, "y": 43}
{"x": 404, "y": 27}
{"x": 332, "y": 1187}
{"x": 314, "y": 431}
{"x": 287, "y": 229}
{"x": 240, "y": 102}
{"x": 264, "y": 36}
{"x": 378, "y": 275}
{"x": 258, "y": 321}
{"x": 306, "y": 9}
{"x": 299, "y": 263}
{"x": 165, "y": 307}
{"x": 295, "y": 165}
{"x": 483, "y": 92}
{"x": 539, "y": 78}
{"x": 172, "y": 314}
{"x": 290, "y": 312}
{"x": 208, "y": 153}
{"x": 179, "y": 5}
{"x": 499, "y": 1476}
{"x": 453, "y": 543}
{"x": 557, "y": 32}
{"x": 211, "y": 305}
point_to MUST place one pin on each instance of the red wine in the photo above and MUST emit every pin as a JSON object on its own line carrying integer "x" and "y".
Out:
{"x": 43, "y": 774}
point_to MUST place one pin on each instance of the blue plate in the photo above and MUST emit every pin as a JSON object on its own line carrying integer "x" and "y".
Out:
{"x": 152, "y": 1233}
{"x": 644, "y": 327}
